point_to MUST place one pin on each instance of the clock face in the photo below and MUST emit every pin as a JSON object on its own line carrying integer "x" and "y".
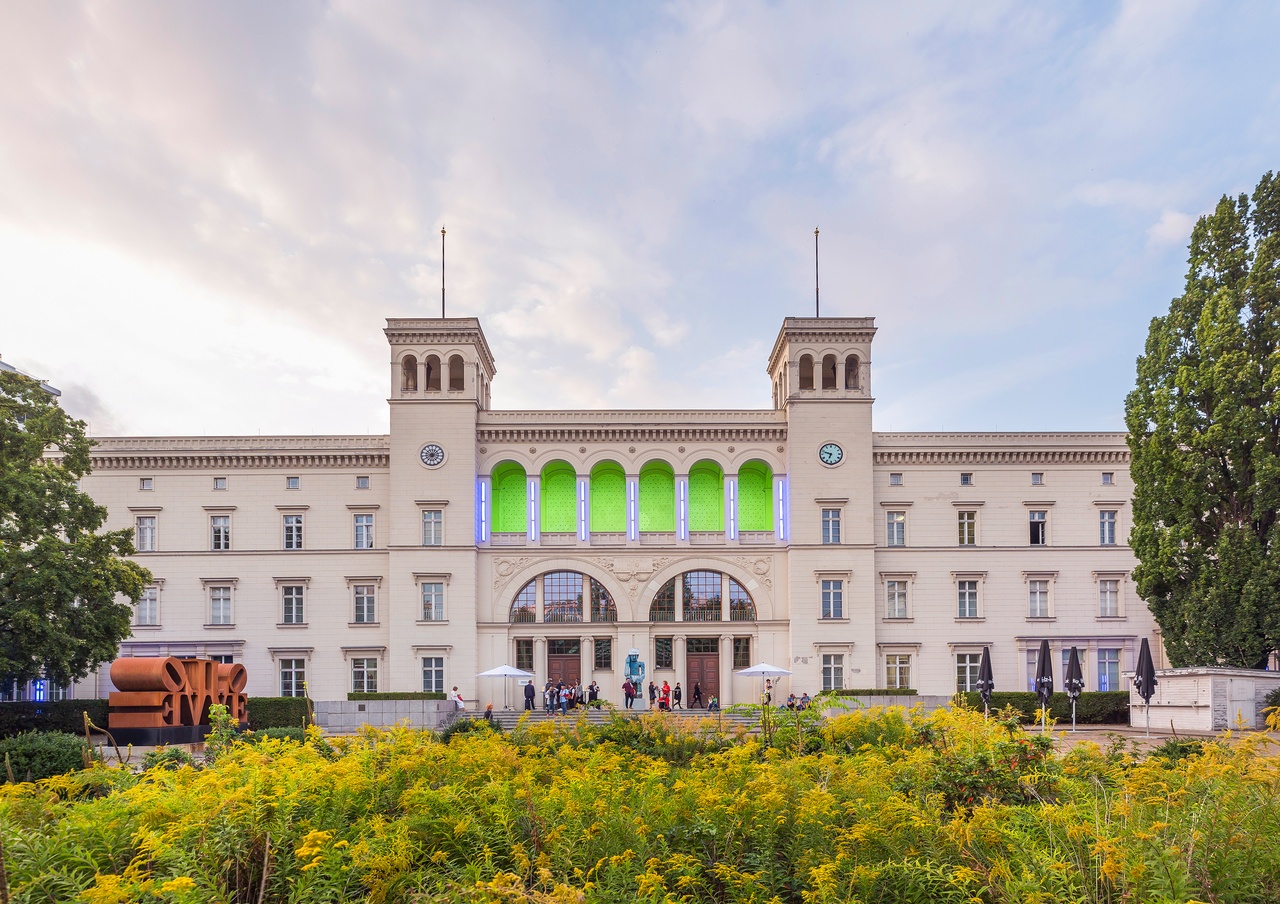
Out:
{"x": 432, "y": 455}
{"x": 831, "y": 454}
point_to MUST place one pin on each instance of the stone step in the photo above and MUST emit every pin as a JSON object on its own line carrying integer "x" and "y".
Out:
{"x": 509, "y": 718}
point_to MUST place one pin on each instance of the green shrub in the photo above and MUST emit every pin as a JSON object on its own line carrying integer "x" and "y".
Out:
{"x": 396, "y": 695}
{"x": 1273, "y": 699}
{"x": 167, "y": 758}
{"x": 1176, "y": 749}
{"x": 292, "y": 732}
{"x": 1093, "y": 707}
{"x": 278, "y": 712}
{"x": 34, "y": 755}
{"x": 58, "y": 715}
{"x": 466, "y": 726}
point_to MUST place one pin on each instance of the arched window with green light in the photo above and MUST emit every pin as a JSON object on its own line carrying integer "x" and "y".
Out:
{"x": 559, "y": 502}
{"x": 755, "y": 497}
{"x": 657, "y": 498}
{"x": 608, "y": 498}
{"x": 706, "y": 497}
{"x": 510, "y": 489}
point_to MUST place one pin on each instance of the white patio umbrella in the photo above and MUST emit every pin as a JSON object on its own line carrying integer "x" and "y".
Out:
{"x": 763, "y": 670}
{"x": 504, "y": 671}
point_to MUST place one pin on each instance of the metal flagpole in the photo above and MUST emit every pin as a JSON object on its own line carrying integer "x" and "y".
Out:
{"x": 442, "y": 273}
{"x": 817, "y": 308}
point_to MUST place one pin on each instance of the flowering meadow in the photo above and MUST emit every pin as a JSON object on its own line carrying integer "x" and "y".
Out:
{"x": 871, "y": 806}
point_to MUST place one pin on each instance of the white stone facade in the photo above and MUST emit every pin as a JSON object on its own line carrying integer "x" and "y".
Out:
{"x": 946, "y": 542}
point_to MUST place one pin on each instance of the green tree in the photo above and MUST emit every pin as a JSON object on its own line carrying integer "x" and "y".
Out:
{"x": 1204, "y": 430}
{"x": 60, "y": 577}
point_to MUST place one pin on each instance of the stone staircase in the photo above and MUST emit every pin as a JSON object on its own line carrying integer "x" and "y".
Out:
{"x": 508, "y": 718}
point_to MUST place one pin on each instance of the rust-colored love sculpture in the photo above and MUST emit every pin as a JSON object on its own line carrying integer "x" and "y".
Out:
{"x": 157, "y": 692}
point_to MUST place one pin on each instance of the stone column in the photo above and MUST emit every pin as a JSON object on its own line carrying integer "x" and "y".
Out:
{"x": 679, "y": 661}
{"x": 586, "y": 661}
{"x": 726, "y": 670}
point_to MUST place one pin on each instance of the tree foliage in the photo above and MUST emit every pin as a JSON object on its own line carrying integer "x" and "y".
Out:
{"x": 60, "y": 576}
{"x": 1204, "y": 430}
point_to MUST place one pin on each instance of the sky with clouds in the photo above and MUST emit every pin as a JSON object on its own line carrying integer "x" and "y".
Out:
{"x": 207, "y": 210}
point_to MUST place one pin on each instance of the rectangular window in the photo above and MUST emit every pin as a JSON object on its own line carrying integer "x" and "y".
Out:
{"x": 832, "y": 671}
{"x": 293, "y": 532}
{"x": 433, "y": 672}
{"x": 967, "y": 665}
{"x": 219, "y": 605}
{"x": 662, "y": 656}
{"x": 897, "y": 671}
{"x": 1108, "y": 478}
{"x": 148, "y": 610}
{"x": 1109, "y": 598}
{"x": 224, "y": 658}
{"x": 895, "y": 528}
{"x": 293, "y": 483}
{"x": 364, "y": 531}
{"x": 895, "y": 599}
{"x": 293, "y": 677}
{"x": 830, "y": 526}
{"x": 220, "y": 527}
{"x": 966, "y": 599}
{"x": 366, "y": 601}
{"x": 1107, "y": 528}
{"x": 742, "y": 652}
{"x": 966, "y": 479}
{"x": 219, "y": 483}
{"x": 895, "y": 480}
{"x": 833, "y": 599}
{"x": 1039, "y": 521}
{"x": 604, "y": 653}
{"x": 1038, "y": 599}
{"x": 1066, "y": 660}
{"x": 146, "y": 483}
{"x": 364, "y": 675}
{"x": 292, "y": 611}
{"x": 1109, "y": 670}
{"x": 968, "y": 528}
{"x": 145, "y": 533}
{"x": 433, "y": 601}
{"x": 1037, "y": 479}
{"x": 362, "y": 483}
{"x": 433, "y": 527}
{"x": 1033, "y": 665}
{"x": 524, "y": 653}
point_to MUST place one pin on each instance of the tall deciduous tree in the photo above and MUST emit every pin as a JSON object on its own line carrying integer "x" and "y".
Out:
{"x": 61, "y": 577}
{"x": 1204, "y": 430}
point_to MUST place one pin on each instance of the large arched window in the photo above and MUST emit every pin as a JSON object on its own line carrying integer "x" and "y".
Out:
{"x": 561, "y": 597}
{"x": 608, "y": 498}
{"x": 706, "y": 497}
{"x": 698, "y": 596}
{"x": 524, "y": 609}
{"x": 851, "y": 372}
{"x": 741, "y": 606}
{"x": 806, "y": 371}
{"x": 559, "y": 502}
{"x": 433, "y": 373}
{"x": 702, "y": 597}
{"x": 829, "y": 372}
{"x": 510, "y": 486}
{"x": 663, "y": 607}
{"x": 755, "y": 496}
{"x": 657, "y": 497}
{"x": 562, "y": 600}
{"x": 603, "y": 608}
{"x": 409, "y": 374}
{"x": 456, "y": 373}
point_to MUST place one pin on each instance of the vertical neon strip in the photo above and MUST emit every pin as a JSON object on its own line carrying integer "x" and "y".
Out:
{"x": 633, "y": 509}
{"x": 533, "y": 509}
{"x": 484, "y": 509}
{"x": 582, "y": 508}
{"x": 780, "y": 519}
{"x": 786, "y": 507}
{"x": 682, "y": 509}
{"x": 731, "y": 523}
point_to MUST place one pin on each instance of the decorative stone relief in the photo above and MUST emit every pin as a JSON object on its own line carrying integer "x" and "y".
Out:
{"x": 632, "y": 571}
{"x": 505, "y": 568}
{"x": 760, "y": 567}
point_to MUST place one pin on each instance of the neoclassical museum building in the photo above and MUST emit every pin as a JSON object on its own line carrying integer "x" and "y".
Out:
{"x": 558, "y": 541}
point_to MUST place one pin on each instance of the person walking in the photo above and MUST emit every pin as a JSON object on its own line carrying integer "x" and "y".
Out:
{"x": 628, "y": 693}
{"x": 529, "y": 694}
{"x": 696, "y": 699}
{"x": 676, "y": 696}
{"x": 653, "y": 694}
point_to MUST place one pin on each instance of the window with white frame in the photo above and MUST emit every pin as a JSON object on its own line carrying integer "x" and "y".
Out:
{"x": 291, "y": 596}
{"x": 1033, "y": 666}
{"x": 830, "y": 526}
{"x": 895, "y": 528}
{"x": 1109, "y": 597}
{"x": 1038, "y": 599}
{"x": 967, "y": 524}
{"x": 966, "y": 479}
{"x": 364, "y": 531}
{"x": 1108, "y": 478}
{"x": 967, "y": 599}
{"x": 362, "y": 483}
{"x": 219, "y": 483}
{"x": 220, "y": 532}
{"x": 967, "y": 665}
{"x": 432, "y": 601}
{"x": 219, "y": 605}
{"x": 1037, "y": 478}
{"x": 832, "y": 598}
{"x": 433, "y": 527}
{"x": 895, "y": 599}
{"x": 364, "y": 674}
{"x": 433, "y": 674}
{"x": 293, "y": 532}
{"x": 293, "y": 677}
{"x": 895, "y": 479}
{"x": 897, "y": 671}
{"x": 147, "y": 612}
{"x": 832, "y": 671}
{"x": 366, "y": 603}
{"x": 1039, "y": 522}
{"x": 1107, "y": 527}
{"x": 145, "y": 533}
{"x": 1109, "y": 669}
{"x": 293, "y": 483}
{"x": 146, "y": 483}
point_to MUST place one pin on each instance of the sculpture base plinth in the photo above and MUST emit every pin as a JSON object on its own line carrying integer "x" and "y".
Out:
{"x": 155, "y": 737}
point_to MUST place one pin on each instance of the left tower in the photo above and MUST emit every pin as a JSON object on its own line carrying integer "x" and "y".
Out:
{"x": 441, "y": 371}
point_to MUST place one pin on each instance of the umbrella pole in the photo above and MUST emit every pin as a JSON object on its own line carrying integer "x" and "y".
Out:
{"x": 1148, "y": 718}
{"x": 1073, "y": 713}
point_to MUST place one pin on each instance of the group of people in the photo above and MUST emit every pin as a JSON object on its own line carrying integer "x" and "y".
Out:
{"x": 561, "y": 696}
{"x": 666, "y": 697}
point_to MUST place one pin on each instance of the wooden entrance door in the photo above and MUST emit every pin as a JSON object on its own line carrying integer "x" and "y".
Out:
{"x": 702, "y": 669}
{"x": 563, "y": 661}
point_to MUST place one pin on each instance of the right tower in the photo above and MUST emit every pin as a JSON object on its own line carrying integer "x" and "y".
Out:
{"x": 820, "y": 369}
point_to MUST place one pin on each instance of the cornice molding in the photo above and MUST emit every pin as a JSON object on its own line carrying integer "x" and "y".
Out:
{"x": 233, "y": 461}
{"x": 674, "y": 433}
{"x": 1000, "y": 456}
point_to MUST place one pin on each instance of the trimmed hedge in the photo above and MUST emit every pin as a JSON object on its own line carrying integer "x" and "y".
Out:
{"x": 34, "y": 755}
{"x": 58, "y": 715}
{"x": 1093, "y": 707}
{"x": 874, "y": 692}
{"x": 278, "y": 712}
{"x": 397, "y": 695}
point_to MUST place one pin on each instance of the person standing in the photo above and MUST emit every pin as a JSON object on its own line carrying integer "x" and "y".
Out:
{"x": 566, "y": 693}
{"x": 676, "y": 696}
{"x": 653, "y": 694}
{"x": 664, "y": 697}
{"x": 593, "y": 692}
{"x": 549, "y": 697}
{"x": 696, "y": 699}
{"x": 529, "y": 694}
{"x": 628, "y": 694}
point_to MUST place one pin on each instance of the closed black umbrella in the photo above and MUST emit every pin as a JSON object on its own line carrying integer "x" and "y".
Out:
{"x": 1073, "y": 682}
{"x": 1144, "y": 679}
{"x": 986, "y": 680}
{"x": 1044, "y": 682}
